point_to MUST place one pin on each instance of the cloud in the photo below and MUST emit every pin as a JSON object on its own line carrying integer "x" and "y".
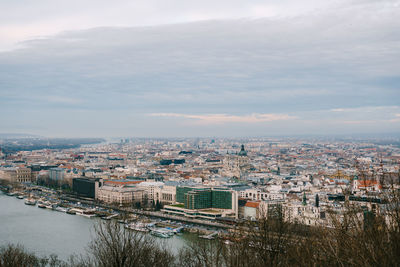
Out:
{"x": 365, "y": 115}
{"x": 357, "y": 122}
{"x": 225, "y": 118}
{"x": 22, "y": 20}
{"x": 63, "y": 100}
{"x": 367, "y": 109}
{"x": 396, "y": 119}
{"x": 324, "y": 66}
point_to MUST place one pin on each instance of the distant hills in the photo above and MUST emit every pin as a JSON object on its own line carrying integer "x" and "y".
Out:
{"x": 11, "y": 144}
{"x": 18, "y": 135}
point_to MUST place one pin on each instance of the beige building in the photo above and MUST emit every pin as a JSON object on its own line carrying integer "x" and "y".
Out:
{"x": 168, "y": 194}
{"x": 16, "y": 175}
{"x": 158, "y": 191}
{"x": 236, "y": 164}
{"x": 125, "y": 194}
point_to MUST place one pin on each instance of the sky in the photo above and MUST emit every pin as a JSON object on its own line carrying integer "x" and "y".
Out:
{"x": 161, "y": 68}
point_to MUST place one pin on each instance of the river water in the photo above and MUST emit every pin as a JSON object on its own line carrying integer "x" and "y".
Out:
{"x": 48, "y": 232}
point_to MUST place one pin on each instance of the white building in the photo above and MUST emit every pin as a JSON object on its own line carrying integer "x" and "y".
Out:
{"x": 257, "y": 195}
{"x": 124, "y": 194}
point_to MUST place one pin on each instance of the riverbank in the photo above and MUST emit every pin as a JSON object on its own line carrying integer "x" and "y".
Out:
{"x": 54, "y": 200}
{"x": 46, "y": 232}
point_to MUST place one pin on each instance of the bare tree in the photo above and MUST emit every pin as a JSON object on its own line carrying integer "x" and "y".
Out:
{"x": 16, "y": 255}
{"x": 364, "y": 237}
{"x": 266, "y": 242}
{"x": 115, "y": 246}
{"x": 202, "y": 253}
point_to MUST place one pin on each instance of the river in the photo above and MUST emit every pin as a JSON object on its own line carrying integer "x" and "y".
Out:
{"x": 48, "y": 232}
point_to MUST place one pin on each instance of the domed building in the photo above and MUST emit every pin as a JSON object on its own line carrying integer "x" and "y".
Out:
{"x": 242, "y": 152}
{"x": 242, "y": 158}
{"x": 236, "y": 165}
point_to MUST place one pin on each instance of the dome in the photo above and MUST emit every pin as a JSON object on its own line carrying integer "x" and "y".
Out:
{"x": 242, "y": 151}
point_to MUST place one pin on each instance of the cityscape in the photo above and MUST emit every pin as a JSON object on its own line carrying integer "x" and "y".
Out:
{"x": 199, "y": 133}
{"x": 205, "y": 186}
{"x": 216, "y": 179}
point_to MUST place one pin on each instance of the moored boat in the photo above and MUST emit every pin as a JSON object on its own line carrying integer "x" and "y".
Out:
{"x": 30, "y": 201}
{"x": 162, "y": 232}
{"x": 140, "y": 227}
{"x": 61, "y": 209}
{"x": 88, "y": 214}
{"x": 71, "y": 212}
{"x": 84, "y": 213}
{"x": 109, "y": 217}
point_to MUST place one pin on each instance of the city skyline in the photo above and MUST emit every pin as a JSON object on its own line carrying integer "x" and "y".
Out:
{"x": 230, "y": 69}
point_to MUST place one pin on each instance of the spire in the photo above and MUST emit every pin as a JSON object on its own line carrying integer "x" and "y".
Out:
{"x": 317, "y": 201}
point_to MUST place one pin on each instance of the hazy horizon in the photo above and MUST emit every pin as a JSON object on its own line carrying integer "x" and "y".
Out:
{"x": 362, "y": 136}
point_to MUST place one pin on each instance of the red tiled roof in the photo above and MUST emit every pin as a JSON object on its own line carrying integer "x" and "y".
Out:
{"x": 252, "y": 204}
{"x": 368, "y": 183}
{"x": 121, "y": 182}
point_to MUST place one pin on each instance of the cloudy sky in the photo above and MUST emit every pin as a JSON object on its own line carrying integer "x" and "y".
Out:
{"x": 199, "y": 68}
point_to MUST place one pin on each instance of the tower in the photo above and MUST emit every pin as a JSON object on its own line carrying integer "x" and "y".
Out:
{"x": 304, "y": 199}
{"x": 317, "y": 201}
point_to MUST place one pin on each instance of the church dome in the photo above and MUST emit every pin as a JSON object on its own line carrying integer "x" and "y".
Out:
{"x": 242, "y": 151}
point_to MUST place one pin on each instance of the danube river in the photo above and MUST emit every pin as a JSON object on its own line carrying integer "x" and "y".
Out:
{"x": 48, "y": 232}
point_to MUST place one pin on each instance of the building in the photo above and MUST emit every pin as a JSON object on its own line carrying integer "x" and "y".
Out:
{"x": 202, "y": 198}
{"x": 16, "y": 175}
{"x": 258, "y": 194}
{"x": 236, "y": 164}
{"x": 251, "y": 210}
{"x": 120, "y": 194}
{"x": 305, "y": 214}
{"x": 204, "y": 202}
{"x": 56, "y": 174}
{"x": 366, "y": 185}
{"x": 168, "y": 194}
{"x": 86, "y": 187}
{"x": 153, "y": 189}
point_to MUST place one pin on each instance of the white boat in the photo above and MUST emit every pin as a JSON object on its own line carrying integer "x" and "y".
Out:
{"x": 30, "y": 201}
{"x": 71, "y": 212}
{"x": 210, "y": 236}
{"x": 109, "y": 217}
{"x": 84, "y": 213}
{"x": 162, "y": 232}
{"x": 88, "y": 215}
{"x": 140, "y": 227}
{"x": 61, "y": 209}
{"x": 76, "y": 211}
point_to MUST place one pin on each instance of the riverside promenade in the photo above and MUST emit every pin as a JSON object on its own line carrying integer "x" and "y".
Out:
{"x": 155, "y": 214}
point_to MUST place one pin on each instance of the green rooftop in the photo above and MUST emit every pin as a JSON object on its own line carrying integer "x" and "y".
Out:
{"x": 177, "y": 205}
